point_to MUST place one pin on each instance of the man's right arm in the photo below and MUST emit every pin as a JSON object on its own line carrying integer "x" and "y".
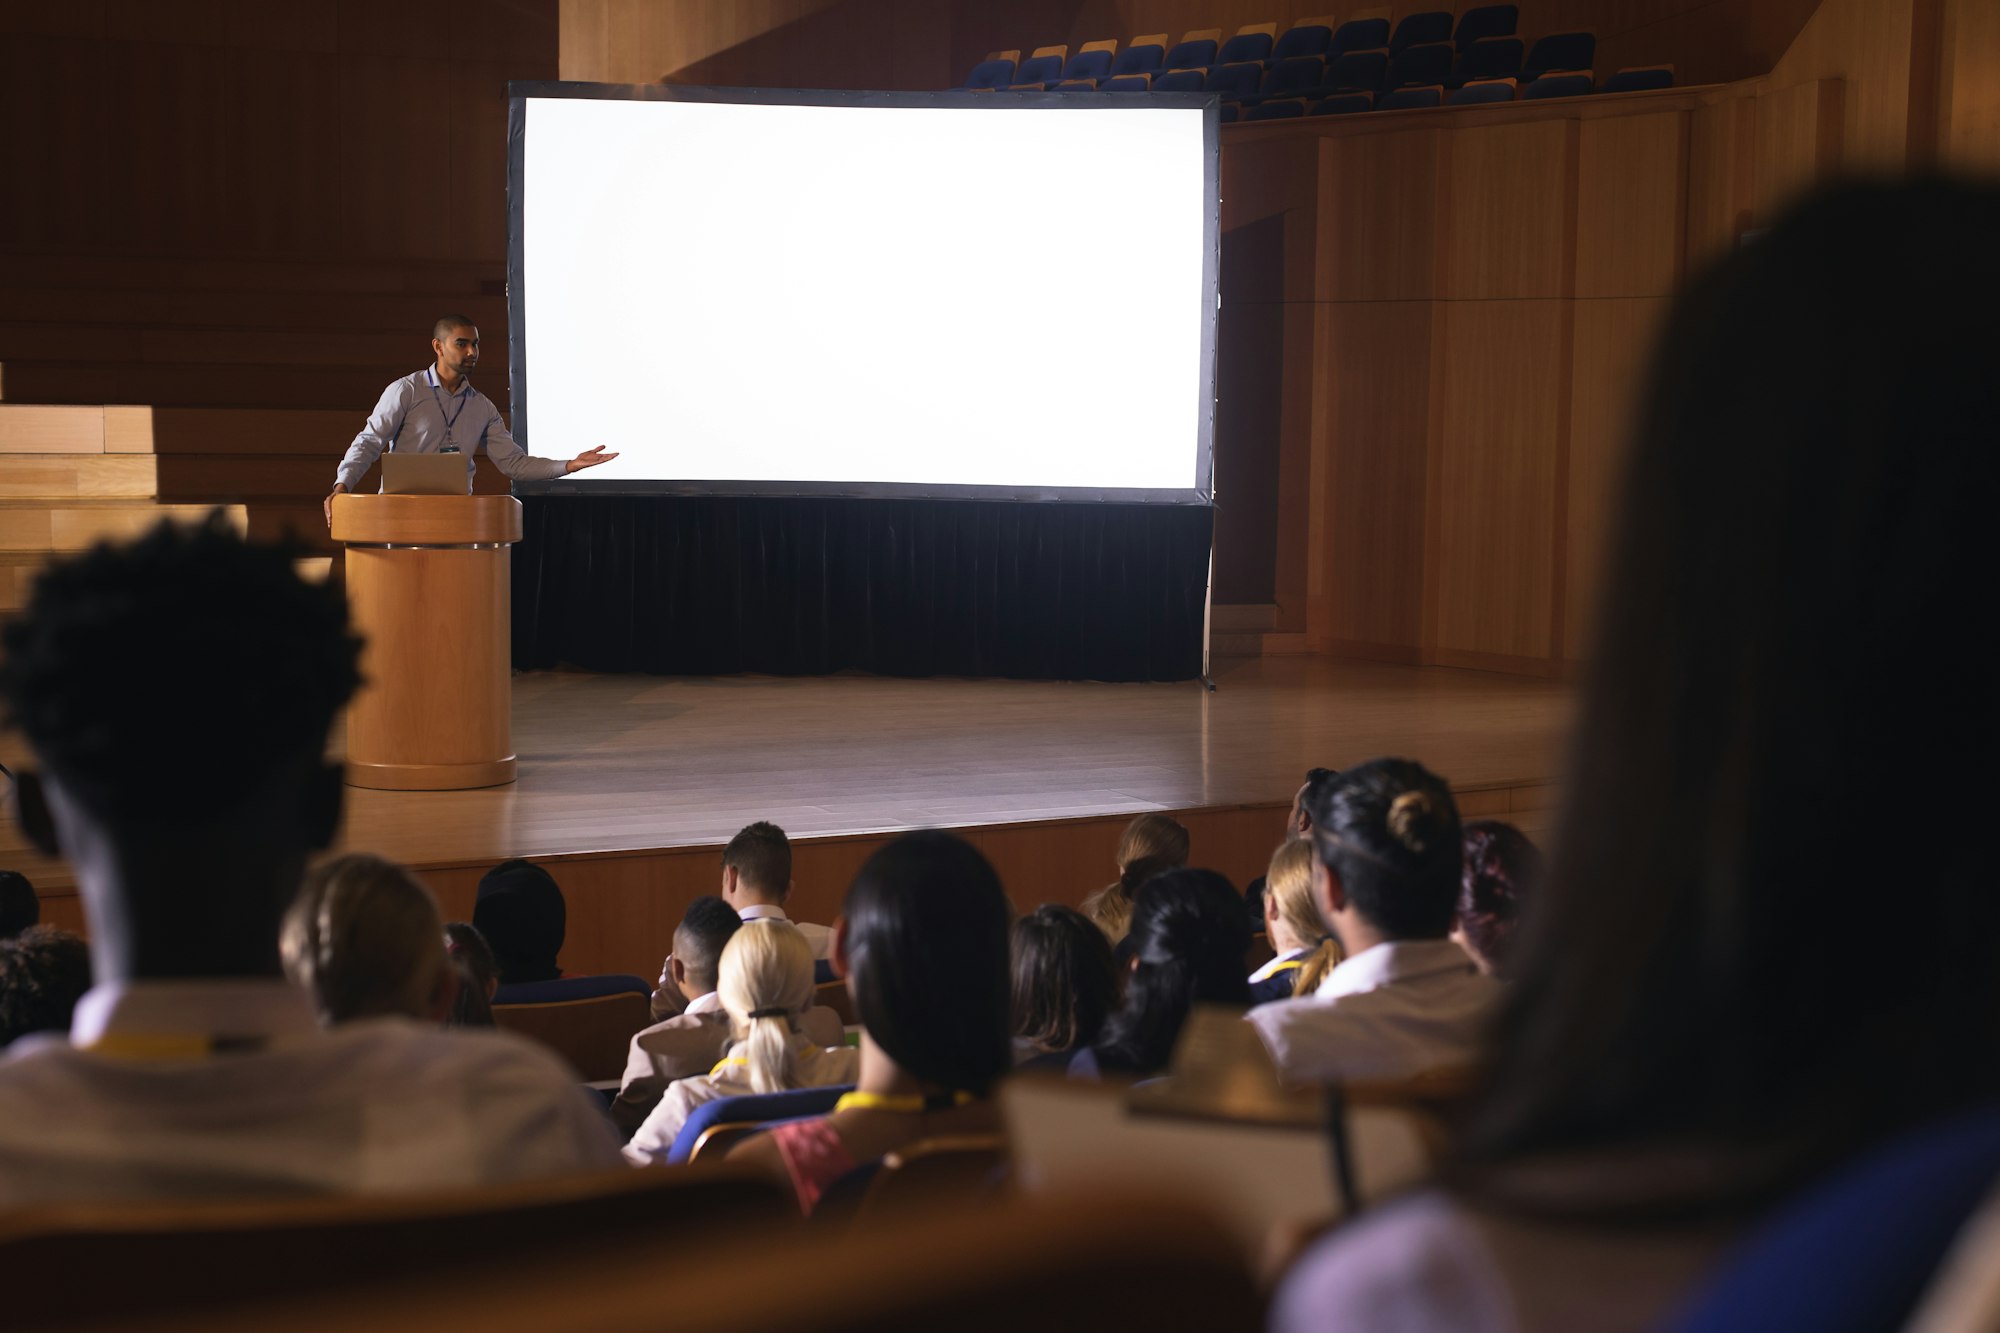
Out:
{"x": 383, "y": 424}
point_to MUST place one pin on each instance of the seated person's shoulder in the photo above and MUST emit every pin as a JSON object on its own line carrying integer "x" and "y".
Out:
{"x": 1419, "y": 1263}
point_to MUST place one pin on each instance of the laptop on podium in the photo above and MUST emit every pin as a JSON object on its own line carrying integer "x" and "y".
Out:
{"x": 424, "y": 474}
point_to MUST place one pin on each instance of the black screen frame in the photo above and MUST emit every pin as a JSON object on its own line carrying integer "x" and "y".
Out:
{"x": 1201, "y": 493}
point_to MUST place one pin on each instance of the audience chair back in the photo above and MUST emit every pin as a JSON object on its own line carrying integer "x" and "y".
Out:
{"x": 1418, "y": 29}
{"x": 1560, "y": 51}
{"x": 1143, "y": 56}
{"x": 1092, "y": 61}
{"x": 833, "y": 995}
{"x": 1307, "y": 37}
{"x": 1251, "y": 42}
{"x": 957, "y": 1172}
{"x": 594, "y": 1035}
{"x": 1486, "y": 21}
{"x": 1482, "y": 91}
{"x": 759, "y": 1109}
{"x": 125, "y": 1262}
{"x": 991, "y": 73}
{"x": 1100, "y": 1263}
{"x": 1640, "y": 79}
{"x": 1571, "y": 83}
{"x": 1044, "y": 66}
{"x": 1195, "y": 49}
{"x": 1359, "y": 34}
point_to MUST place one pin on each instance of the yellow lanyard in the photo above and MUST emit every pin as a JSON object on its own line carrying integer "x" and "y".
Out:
{"x": 735, "y": 1061}
{"x": 1290, "y": 965}
{"x": 172, "y": 1045}
{"x": 907, "y": 1104}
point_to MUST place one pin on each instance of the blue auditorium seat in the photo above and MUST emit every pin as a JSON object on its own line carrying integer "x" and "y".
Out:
{"x": 1126, "y": 83}
{"x": 1419, "y": 29}
{"x": 1197, "y": 54}
{"x": 1295, "y": 75}
{"x": 1285, "y": 109}
{"x": 1090, "y": 64}
{"x": 991, "y": 74}
{"x": 1180, "y": 81}
{"x": 1419, "y": 65}
{"x": 1475, "y": 25}
{"x": 1144, "y": 58}
{"x": 1235, "y": 81}
{"x": 1578, "y": 83}
{"x": 1489, "y": 58}
{"x": 1342, "y": 104}
{"x": 1855, "y": 1253}
{"x": 1073, "y": 86}
{"x": 1304, "y": 39}
{"x": 1038, "y": 70}
{"x": 572, "y": 988}
{"x": 1360, "y": 35}
{"x": 1358, "y": 71}
{"x": 1559, "y": 51}
{"x": 770, "y": 1108}
{"x": 1642, "y": 79}
{"x": 1481, "y": 92}
{"x": 1245, "y": 46}
{"x": 1406, "y": 99}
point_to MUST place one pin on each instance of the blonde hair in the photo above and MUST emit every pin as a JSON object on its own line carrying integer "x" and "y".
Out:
{"x": 1288, "y": 890}
{"x": 364, "y": 939}
{"x": 1160, "y": 837}
{"x": 765, "y": 980}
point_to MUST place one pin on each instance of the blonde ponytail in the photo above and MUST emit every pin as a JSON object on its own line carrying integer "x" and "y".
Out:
{"x": 1288, "y": 887}
{"x": 765, "y": 981}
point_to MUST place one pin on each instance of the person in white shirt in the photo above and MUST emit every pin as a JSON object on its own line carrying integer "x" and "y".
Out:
{"x": 766, "y": 985}
{"x": 192, "y": 1067}
{"x": 756, "y": 881}
{"x": 1304, "y": 951}
{"x": 691, "y": 1042}
{"x": 1385, "y": 876}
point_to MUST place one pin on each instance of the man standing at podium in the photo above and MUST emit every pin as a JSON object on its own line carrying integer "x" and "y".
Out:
{"x": 437, "y": 409}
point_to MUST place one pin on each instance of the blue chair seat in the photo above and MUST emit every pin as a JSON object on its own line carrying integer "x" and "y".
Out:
{"x": 768, "y": 1108}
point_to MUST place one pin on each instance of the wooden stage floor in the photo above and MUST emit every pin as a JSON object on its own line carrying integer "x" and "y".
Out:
{"x": 638, "y": 779}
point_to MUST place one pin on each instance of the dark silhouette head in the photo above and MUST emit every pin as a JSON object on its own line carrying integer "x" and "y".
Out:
{"x": 1188, "y": 939}
{"x": 1787, "y": 721}
{"x": 43, "y": 973}
{"x": 1501, "y": 864}
{"x": 925, "y": 941}
{"x": 703, "y": 933}
{"x": 521, "y": 913}
{"x": 1388, "y": 830}
{"x": 478, "y": 975}
{"x": 189, "y": 805}
{"x": 1064, "y": 984}
{"x": 19, "y": 906}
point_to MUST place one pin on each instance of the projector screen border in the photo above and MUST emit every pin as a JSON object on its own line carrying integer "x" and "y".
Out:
{"x": 519, "y": 92}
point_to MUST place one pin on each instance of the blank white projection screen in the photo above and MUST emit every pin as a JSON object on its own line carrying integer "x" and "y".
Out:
{"x": 856, "y": 296}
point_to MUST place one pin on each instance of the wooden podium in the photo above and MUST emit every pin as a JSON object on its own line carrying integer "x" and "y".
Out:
{"x": 428, "y": 581}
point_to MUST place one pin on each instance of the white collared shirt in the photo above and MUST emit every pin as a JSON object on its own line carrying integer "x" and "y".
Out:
{"x": 209, "y": 1088}
{"x": 1395, "y": 1010}
{"x": 818, "y": 1067}
{"x": 416, "y": 416}
{"x": 1276, "y": 965}
{"x": 819, "y": 937}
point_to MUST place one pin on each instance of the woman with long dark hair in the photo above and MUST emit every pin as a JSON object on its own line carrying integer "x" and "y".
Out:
{"x": 1786, "y": 736}
{"x": 1188, "y": 937}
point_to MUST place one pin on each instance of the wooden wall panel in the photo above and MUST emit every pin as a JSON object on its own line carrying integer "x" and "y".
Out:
{"x": 1631, "y": 214}
{"x": 1504, "y": 224}
{"x": 1798, "y": 142}
{"x": 1867, "y": 45}
{"x": 1969, "y": 86}
{"x": 1494, "y": 520}
{"x": 1612, "y": 341}
{"x": 1376, "y": 371}
{"x": 1721, "y": 183}
{"x": 1378, "y": 194}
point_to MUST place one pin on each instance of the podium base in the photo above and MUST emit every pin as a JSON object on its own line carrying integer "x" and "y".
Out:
{"x": 431, "y": 777}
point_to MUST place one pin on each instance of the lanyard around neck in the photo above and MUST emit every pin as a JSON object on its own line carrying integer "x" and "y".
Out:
{"x": 912, "y": 1103}
{"x": 174, "y": 1045}
{"x": 450, "y": 419}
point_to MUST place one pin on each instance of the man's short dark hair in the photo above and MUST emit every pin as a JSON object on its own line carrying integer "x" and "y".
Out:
{"x": 446, "y": 323}
{"x": 43, "y": 973}
{"x": 19, "y": 907}
{"x": 761, "y": 856}
{"x": 698, "y": 942}
{"x": 243, "y": 665}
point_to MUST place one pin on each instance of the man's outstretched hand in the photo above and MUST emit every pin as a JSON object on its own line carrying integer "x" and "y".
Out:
{"x": 327, "y": 508}
{"x": 588, "y": 458}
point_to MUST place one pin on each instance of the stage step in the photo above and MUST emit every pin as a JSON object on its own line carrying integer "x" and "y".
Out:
{"x": 38, "y": 526}
{"x": 184, "y": 384}
{"x": 74, "y": 476}
{"x": 34, "y": 429}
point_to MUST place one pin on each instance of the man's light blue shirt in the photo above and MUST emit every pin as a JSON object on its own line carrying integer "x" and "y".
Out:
{"x": 416, "y": 416}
